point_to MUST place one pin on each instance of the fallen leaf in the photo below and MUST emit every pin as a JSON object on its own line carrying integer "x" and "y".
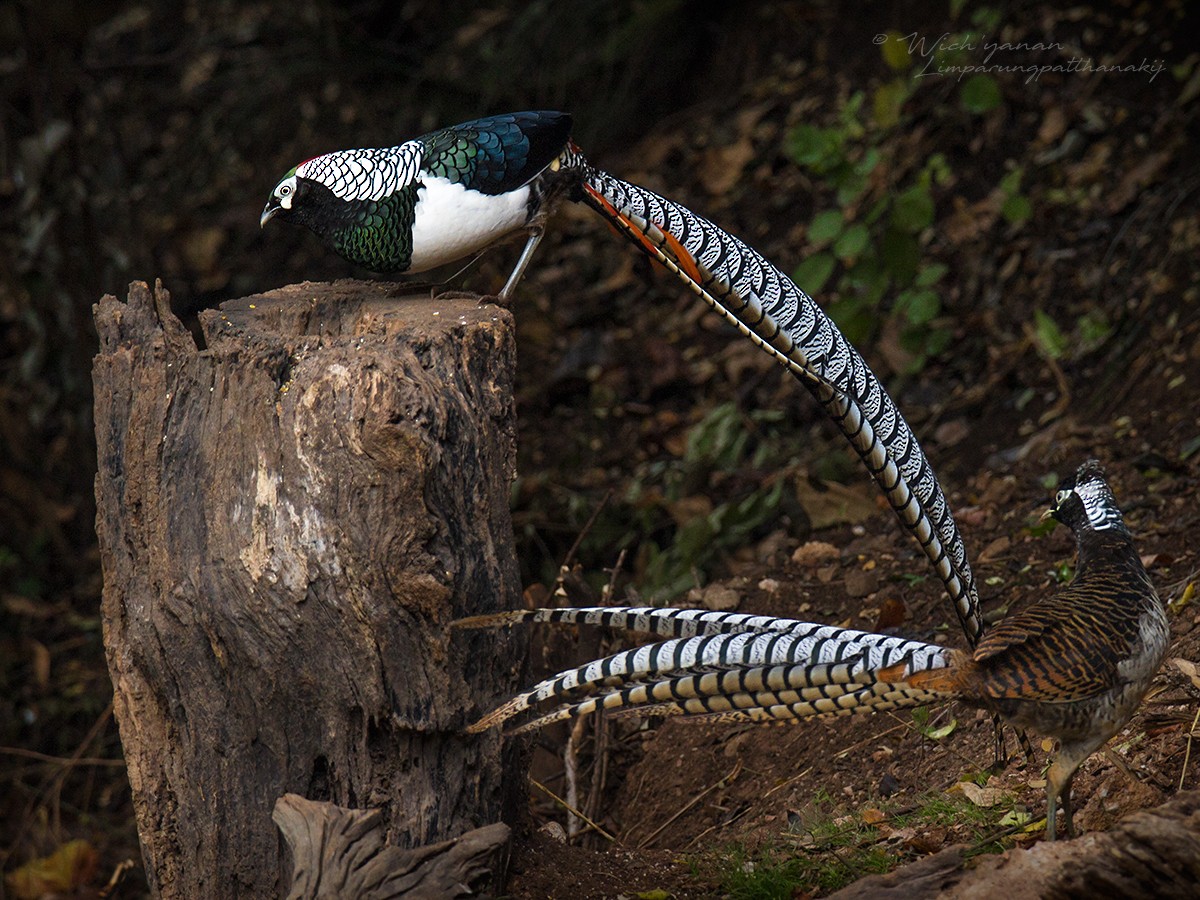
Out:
{"x": 984, "y": 797}
{"x": 69, "y": 867}
{"x": 873, "y": 816}
{"x": 937, "y": 734}
{"x": 1188, "y": 668}
{"x": 829, "y": 503}
{"x": 995, "y": 549}
{"x": 1189, "y": 594}
{"x": 953, "y": 432}
{"x": 1015, "y": 817}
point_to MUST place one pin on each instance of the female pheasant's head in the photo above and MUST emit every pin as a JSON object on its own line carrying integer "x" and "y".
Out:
{"x": 1085, "y": 502}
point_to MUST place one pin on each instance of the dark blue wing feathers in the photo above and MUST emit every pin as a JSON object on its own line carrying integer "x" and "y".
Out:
{"x": 499, "y": 153}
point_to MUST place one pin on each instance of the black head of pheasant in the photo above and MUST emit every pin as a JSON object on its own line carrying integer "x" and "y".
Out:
{"x": 428, "y": 201}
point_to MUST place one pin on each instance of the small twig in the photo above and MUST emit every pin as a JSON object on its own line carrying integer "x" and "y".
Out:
{"x": 587, "y": 526}
{"x": 118, "y": 876}
{"x": 599, "y": 763}
{"x": 570, "y": 771}
{"x": 61, "y": 760}
{"x": 51, "y": 786}
{"x": 1188, "y": 753}
{"x": 1120, "y": 764}
{"x": 609, "y": 588}
{"x": 643, "y": 844}
{"x": 1064, "y": 387}
{"x": 563, "y": 803}
{"x": 845, "y": 750}
{"x": 789, "y": 781}
{"x": 711, "y": 828}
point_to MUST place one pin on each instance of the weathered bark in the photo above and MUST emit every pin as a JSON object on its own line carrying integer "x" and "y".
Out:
{"x": 340, "y": 852}
{"x": 288, "y": 520}
{"x": 1153, "y": 853}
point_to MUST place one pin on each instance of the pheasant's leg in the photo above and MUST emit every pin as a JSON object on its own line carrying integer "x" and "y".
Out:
{"x": 535, "y": 236}
{"x": 1051, "y": 812}
{"x": 1058, "y": 784}
{"x": 1067, "y": 807}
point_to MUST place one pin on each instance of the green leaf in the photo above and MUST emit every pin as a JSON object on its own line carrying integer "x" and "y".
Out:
{"x": 980, "y": 94}
{"x": 1014, "y": 817}
{"x": 819, "y": 149}
{"x": 913, "y": 209}
{"x": 888, "y": 101}
{"x": 825, "y": 226}
{"x": 811, "y": 275}
{"x": 1189, "y": 447}
{"x": 1011, "y": 182}
{"x": 852, "y": 241}
{"x": 938, "y": 340}
{"x": 1017, "y": 209}
{"x": 930, "y": 274}
{"x": 936, "y": 169}
{"x": 919, "y": 306}
{"x": 1093, "y": 330}
{"x": 850, "y": 184}
{"x": 895, "y": 52}
{"x": 866, "y": 165}
{"x": 937, "y": 734}
{"x": 1049, "y": 336}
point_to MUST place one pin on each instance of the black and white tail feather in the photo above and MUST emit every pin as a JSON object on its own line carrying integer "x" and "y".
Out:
{"x": 768, "y": 308}
{"x": 723, "y": 666}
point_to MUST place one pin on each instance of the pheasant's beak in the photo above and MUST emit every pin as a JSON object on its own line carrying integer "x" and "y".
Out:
{"x": 1048, "y": 514}
{"x": 268, "y": 211}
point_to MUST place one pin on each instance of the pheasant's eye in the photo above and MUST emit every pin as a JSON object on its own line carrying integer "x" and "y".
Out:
{"x": 1061, "y": 497}
{"x": 284, "y": 191}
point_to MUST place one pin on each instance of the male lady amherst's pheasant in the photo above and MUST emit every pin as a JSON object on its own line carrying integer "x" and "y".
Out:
{"x": 1073, "y": 665}
{"x": 456, "y": 191}
{"x": 431, "y": 200}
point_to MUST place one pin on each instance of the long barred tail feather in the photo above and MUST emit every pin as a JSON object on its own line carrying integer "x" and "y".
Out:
{"x": 657, "y": 620}
{"x": 767, "y": 307}
{"x": 683, "y": 697}
{"x": 807, "y": 663}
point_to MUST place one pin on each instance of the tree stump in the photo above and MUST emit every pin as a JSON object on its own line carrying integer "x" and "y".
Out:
{"x": 288, "y": 520}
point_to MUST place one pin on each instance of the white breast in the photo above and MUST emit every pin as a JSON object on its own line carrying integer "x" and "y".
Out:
{"x": 451, "y": 222}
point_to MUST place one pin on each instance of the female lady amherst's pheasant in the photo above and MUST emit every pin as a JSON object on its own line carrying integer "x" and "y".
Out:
{"x": 455, "y": 191}
{"x": 1073, "y": 665}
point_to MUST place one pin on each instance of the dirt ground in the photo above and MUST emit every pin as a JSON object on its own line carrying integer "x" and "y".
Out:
{"x": 1064, "y": 210}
